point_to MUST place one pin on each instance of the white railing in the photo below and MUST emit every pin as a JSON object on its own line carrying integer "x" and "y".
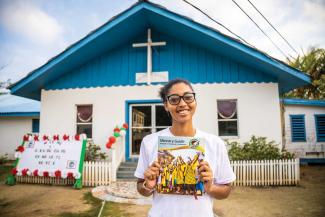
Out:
{"x": 116, "y": 155}
{"x": 96, "y": 173}
{"x": 266, "y": 172}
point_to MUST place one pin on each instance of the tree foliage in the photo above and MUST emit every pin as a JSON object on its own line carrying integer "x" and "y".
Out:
{"x": 312, "y": 63}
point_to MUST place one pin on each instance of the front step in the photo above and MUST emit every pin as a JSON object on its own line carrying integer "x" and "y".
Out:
{"x": 126, "y": 171}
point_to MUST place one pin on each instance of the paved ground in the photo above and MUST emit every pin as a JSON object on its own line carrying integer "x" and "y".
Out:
{"x": 121, "y": 192}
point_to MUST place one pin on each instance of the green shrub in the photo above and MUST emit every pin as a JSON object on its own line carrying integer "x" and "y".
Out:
{"x": 93, "y": 152}
{"x": 257, "y": 149}
{"x": 3, "y": 159}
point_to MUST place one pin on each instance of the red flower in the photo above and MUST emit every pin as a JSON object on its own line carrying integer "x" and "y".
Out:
{"x": 77, "y": 137}
{"x": 36, "y": 138}
{"x": 45, "y": 138}
{"x": 116, "y": 129}
{"x": 14, "y": 171}
{"x": 24, "y": 172}
{"x": 57, "y": 174}
{"x": 56, "y": 137}
{"x": 70, "y": 175}
{"x": 112, "y": 139}
{"x": 35, "y": 172}
{"x": 46, "y": 174}
{"x": 25, "y": 138}
{"x": 65, "y": 137}
{"x": 125, "y": 126}
{"x": 20, "y": 148}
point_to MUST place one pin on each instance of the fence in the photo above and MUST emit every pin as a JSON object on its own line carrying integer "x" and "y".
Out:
{"x": 248, "y": 173}
{"x": 266, "y": 172}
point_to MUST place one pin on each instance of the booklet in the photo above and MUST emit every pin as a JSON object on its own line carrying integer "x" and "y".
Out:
{"x": 179, "y": 158}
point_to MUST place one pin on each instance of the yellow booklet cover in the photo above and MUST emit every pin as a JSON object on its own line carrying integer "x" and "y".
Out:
{"x": 179, "y": 158}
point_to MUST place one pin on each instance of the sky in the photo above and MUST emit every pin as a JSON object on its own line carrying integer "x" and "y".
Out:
{"x": 34, "y": 31}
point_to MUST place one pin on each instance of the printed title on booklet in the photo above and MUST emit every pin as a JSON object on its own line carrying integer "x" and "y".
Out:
{"x": 169, "y": 141}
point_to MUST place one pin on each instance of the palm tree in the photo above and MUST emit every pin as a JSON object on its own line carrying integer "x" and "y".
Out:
{"x": 313, "y": 64}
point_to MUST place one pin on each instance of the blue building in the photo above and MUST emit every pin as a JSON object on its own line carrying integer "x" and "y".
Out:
{"x": 304, "y": 129}
{"x": 18, "y": 116}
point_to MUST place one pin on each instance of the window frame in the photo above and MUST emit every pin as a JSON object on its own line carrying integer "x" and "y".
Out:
{"x": 318, "y": 139}
{"x": 34, "y": 125}
{"x": 90, "y": 123}
{"x": 226, "y": 120}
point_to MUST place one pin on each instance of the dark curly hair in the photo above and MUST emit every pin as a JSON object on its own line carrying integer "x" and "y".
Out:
{"x": 163, "y": 92}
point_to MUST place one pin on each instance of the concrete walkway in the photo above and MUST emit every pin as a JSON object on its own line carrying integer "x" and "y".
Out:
{"x": 121, "y": 192}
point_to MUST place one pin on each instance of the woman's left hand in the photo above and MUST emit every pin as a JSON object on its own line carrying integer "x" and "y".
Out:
{"x": 206, "y": 175}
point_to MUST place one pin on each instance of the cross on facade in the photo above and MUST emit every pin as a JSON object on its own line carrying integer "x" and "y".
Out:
{"x": 149, "y": 44}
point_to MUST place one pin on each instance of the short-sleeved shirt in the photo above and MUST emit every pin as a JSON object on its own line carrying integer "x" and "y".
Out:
{"x": 169, "y": 205}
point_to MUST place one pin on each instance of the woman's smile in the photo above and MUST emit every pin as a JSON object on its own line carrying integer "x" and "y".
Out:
{"x": 183, "y": 112}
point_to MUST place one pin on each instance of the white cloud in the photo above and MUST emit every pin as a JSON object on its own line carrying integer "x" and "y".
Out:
{"x": 27, "y": 19}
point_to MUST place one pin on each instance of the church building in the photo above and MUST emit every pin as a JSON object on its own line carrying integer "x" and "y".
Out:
{"x": 113, "y": 75}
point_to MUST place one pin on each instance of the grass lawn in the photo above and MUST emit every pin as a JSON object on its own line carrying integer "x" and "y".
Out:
{"x": 84, "y": 206}
{"x": 110, "y": 208}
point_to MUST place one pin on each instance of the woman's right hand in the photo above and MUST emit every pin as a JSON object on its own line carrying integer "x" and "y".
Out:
{"x": 151, "y": 174}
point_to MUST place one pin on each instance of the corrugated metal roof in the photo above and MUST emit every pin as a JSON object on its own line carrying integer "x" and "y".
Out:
{"x": 10, "y": 104}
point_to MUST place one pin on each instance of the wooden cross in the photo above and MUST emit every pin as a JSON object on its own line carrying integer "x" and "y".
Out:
{"x": 149, "y": 44}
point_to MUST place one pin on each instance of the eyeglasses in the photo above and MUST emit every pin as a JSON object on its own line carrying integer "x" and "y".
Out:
{"x": 175, "y": 99}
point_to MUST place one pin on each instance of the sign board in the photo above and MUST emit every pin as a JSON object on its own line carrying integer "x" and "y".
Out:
{"x": 142, "y": 77}
{"x": 51, "y": 157}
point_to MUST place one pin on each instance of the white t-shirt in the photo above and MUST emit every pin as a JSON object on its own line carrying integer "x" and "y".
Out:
{"x": 168, "y": 205}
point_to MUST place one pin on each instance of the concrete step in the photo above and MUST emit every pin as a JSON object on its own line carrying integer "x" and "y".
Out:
{"x": 125, "y": 175}
{"x": 126, "y": 168}
{"x": 129, "y": 164}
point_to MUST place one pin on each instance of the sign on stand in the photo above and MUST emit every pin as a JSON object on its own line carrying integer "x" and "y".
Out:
{"x": 58, "y": 157}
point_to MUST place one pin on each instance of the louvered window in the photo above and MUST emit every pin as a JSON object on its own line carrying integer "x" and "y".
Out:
{"x": 320, "y": 127}
{"x": 298, "y": 130}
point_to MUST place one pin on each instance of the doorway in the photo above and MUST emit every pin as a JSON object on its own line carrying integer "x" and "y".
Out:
{"x": 144, "y": 120}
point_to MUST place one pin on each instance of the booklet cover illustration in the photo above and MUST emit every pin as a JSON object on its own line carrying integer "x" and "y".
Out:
{"x": 179, "y": 158}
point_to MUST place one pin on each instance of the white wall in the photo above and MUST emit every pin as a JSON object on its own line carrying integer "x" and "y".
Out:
{"x": 311, "y": 144}
{"x": 258, "y": 108}
{"x": 12, "y": 130}
{"x": 257, "y": 104}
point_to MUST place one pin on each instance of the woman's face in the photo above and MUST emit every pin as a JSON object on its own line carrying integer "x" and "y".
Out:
{"x": 182, "y": 112}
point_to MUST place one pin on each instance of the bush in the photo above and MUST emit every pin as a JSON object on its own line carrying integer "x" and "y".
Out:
{"x": 257, "y": 149}
{"x": 93, "y": 152}
{"x": 3, "y": 159}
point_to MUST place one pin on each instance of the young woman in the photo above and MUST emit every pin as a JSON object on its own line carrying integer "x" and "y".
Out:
{"x": 215, "y": 171}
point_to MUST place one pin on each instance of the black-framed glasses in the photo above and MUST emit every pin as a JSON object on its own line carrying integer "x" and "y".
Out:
{"x": 175, "y": 99}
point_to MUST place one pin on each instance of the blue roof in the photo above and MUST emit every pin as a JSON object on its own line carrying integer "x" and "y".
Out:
{"x": 306, "y": 102}
{"x": 18, "y": 106}
{"x": 133, "y": 22}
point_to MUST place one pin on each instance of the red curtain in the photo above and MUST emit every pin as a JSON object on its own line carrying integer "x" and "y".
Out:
{"x": 227, "y": 108}
{"x": 84, "y": 113}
